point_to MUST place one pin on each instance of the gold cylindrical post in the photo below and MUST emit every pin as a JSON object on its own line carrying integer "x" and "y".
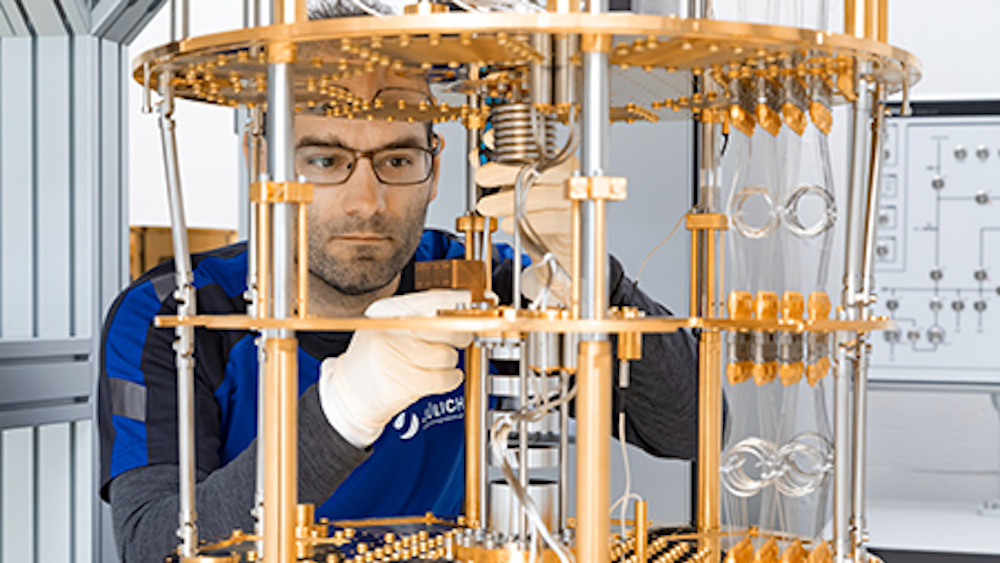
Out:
{"x": 709, "y": 438}
{"x": 302, "y": 296}
{"x": 593, "y": 415}
{"x": 263, "y": 260}
{"x": 883, "y": 21}
{"x": 473, "y": 434}
{"x": 280, "y": 459}
{"x": 641, "y": 538}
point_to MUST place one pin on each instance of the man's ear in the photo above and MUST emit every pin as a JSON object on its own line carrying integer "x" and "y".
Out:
{"x": 437, "y": 166}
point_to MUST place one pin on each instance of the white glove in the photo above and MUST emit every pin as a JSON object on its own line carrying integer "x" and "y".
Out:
{"x": 548, "y": 211}
{"x": 384, "y": 371}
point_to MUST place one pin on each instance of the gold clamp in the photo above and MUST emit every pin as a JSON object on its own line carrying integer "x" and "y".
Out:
{"x": 281, "y": 192}
{"x": 596, "y": 187}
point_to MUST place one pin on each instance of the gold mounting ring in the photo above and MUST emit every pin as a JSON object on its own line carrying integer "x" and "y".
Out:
{"x": 281, "y": 192}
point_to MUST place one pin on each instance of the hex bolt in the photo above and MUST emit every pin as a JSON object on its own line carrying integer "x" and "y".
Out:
{"x": 892, "y": 304}
{"x": 913, "y": 335}
{"x": 937, "y": 182}
{"x": 893, "y": 336}
{"x": 983, "y": 152}
{"x": 961, "y": 152}
{"x": 980, "y": 275}
{"x": 935, "y": 304}
{"x": 957, "y": 305}
{"x": 937, "y": 274}
{"x": 982, "y": 198}
{"x": 979, "y": 305}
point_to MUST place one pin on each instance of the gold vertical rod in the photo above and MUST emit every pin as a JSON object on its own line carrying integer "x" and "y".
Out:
{"x": 883, "y": 21}
{"x": 280, "y": 435}
{"x": 850, "y": 14}
{"x": 709, "y": 438}
{"x": 302, "y": 296}
{"x": 593, "y": 415}
{"x": 709, "y": 272}
{"x": 871, "y": 18}
{"x": 694, "y": 310}
{"x": 641, "y": 537}
{"x": 473, "y": 433}
{"x": 263, "y": 260}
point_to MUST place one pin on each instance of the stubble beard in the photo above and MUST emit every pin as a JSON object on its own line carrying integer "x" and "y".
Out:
{"x": 363, "y": 268}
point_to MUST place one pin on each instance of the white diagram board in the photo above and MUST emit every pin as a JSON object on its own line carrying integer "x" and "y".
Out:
{"x": 938, "y": 251}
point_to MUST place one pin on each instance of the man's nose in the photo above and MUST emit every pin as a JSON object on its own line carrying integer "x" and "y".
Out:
{"x": 363, "y": 193}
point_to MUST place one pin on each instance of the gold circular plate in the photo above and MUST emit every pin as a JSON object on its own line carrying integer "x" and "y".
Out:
{"x": 494, "y": 324}
{"x": 652, "y": 57}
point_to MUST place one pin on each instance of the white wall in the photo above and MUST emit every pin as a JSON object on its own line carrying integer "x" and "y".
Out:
{"x": 208, "y": 145}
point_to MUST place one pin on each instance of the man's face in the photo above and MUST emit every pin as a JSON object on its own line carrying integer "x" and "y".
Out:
{"x": 362, "y": 232}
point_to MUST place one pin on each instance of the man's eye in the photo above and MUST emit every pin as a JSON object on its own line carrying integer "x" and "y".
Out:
{"x": 396, "y": 160}
{"x": 326, "y": 162}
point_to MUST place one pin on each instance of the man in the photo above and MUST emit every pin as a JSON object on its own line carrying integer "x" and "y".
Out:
{"x": 365, "y": 233}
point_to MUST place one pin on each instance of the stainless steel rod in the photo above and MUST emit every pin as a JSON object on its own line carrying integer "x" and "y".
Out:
{"x": 179, "y": 20}
{"x": 472, "y": 148}
{"x": 849, "y": 342}
{"x": 186, "y": 306}
{"x": 594, "y": 158}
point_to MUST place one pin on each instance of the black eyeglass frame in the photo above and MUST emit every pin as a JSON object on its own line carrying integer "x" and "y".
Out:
{"x": 432, "y": 152}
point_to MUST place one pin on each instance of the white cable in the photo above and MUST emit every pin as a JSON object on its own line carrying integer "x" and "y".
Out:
{"x": 627, "y": 494}
{"x": 365, "y": 8}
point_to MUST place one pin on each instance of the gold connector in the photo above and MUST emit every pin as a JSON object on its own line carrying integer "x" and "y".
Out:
{"x": 821, "y": 554}
{"x": 794, "y": 553}
{"x": 768, "y": 553}
{"x": 596, "y": 187}
{"x": 629, "y": 343}
{"x": 821, "y": 117}
{"x": 282, "y": 53}
{"x": 424, "y": 8}
{"x": 706, "y": 221}
{"x": 452, "y": 274}
{"x": 766, "y": 305}
{"x": 795, "y": 118}
{"x": 281, "y": 192}
{"x": 595, "y": 43}
{"x": 740, "y": 305}
{"x": 817, "y": 371}
{"x": 741, "y": 552}
{"x": 819, "y": 306}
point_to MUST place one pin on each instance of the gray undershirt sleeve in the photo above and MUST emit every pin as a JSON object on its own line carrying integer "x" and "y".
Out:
{"x": 145, "y": 503}
{"x": 661, "y": 401}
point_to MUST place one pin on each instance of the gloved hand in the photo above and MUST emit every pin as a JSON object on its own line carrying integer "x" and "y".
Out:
{"x": 384, "y": 371}
{"x": 549, "y": 213}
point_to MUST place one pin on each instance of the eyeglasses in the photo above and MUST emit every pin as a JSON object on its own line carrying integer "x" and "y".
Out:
{"x": 396, "y": 166}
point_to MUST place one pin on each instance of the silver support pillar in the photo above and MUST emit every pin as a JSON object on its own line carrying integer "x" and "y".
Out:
{"x": 859, "y": 521}
{"x": 179, "y": 20}
{"x": 184, "y": 344}
{"x": 850, "y": 347}
{"x": 281, "y": 167}
{"x": 593, "y": 267}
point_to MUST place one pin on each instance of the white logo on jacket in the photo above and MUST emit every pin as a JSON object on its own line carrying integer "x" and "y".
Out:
{"x": 434, "y": 412}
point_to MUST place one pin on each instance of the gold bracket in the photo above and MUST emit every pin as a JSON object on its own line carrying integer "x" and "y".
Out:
{"x": 596, "y": 187}
{"x": 706, "y": 221}
{"x": 629, "y": 343}
{"x": 281, "y": 192}
{"x": 474, "y": 224}
{"x": 595, "y": 43}
{"x": 452, "y": 274}
{"x": 279, "y": 53}
{"x": 424, "y": 8}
